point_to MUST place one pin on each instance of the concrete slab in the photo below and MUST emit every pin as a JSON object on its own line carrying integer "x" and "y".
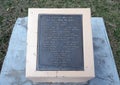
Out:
{"x": 13, "y": 70}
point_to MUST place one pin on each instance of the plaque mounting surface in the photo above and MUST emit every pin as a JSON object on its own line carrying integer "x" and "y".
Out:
{"x": 60, "y": 43}
{"x": 81, "y": 68}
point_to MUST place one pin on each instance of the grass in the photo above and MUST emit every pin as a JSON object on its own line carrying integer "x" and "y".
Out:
{"x": 10, "y": 10}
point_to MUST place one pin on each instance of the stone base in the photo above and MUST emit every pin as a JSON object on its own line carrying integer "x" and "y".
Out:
{"x": 13, "y": 70}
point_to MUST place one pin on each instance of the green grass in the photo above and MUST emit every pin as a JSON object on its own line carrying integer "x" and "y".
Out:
{"x": 10, "y": 10}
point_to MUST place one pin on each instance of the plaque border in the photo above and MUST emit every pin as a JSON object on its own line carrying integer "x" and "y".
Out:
{"x": 59, "y": 76}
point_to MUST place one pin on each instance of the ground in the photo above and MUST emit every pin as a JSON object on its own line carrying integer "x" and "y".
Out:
{"x": 10, "y": 10}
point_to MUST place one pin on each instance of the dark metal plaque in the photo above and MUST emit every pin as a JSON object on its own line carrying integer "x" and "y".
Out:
{"x": 60, "y": 43}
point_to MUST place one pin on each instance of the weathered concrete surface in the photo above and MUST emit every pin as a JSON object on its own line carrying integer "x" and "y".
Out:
{"x": 13, "y": 70}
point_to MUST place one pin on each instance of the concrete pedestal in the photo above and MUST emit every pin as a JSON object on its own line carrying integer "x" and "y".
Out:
{"x": 13, "y": 70}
